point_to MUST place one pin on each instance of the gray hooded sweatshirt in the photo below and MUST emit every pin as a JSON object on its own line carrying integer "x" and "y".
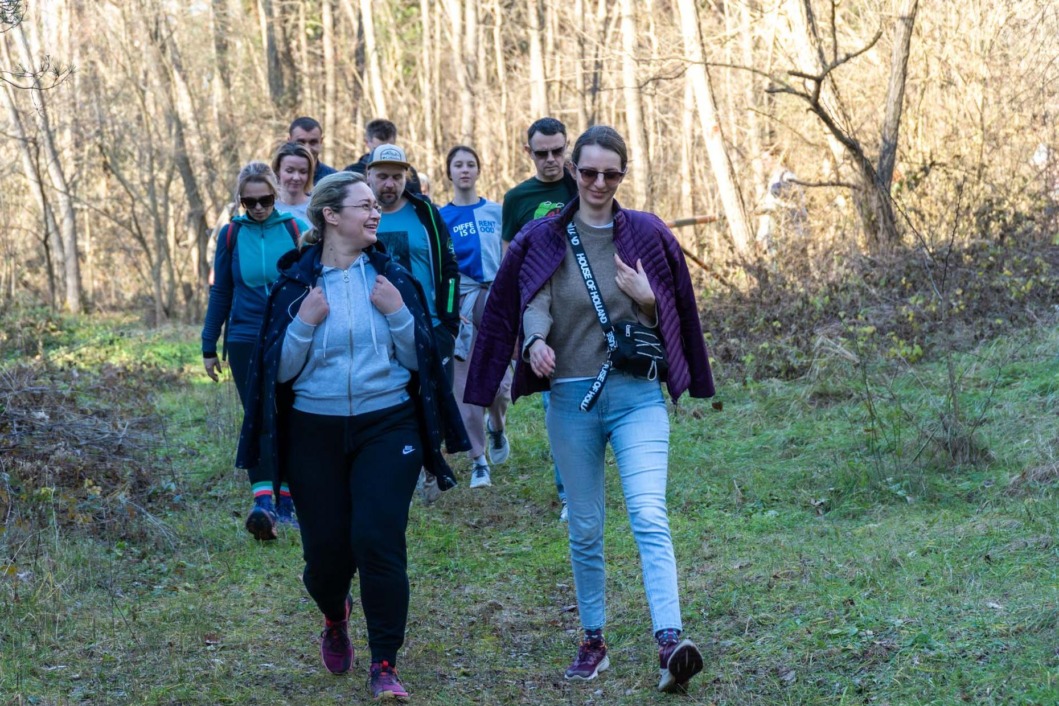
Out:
{"x": 357, "y": 359}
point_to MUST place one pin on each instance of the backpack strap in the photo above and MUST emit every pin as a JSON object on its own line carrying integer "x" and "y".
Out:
{"x": 292, "y": 228}
{"x": 231, "y": 234}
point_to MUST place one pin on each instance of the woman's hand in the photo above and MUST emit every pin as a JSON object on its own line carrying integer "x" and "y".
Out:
{"x": 315, "y": 308}
{"x": 213, "y": 367}
{"x": 385, "y": 296}
{"x": 541, "y": 358}
{"x": 634, "y": 283}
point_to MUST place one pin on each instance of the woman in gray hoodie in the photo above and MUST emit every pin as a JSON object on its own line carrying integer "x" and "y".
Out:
{"x": 351, "y": 444}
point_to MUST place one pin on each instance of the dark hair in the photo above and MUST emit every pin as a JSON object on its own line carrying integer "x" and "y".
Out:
{"x": 546, "y": 126}
{"x": 294, "y": 149}
{"x": 330, "y": 192}
{"x": 452, "y": 155}
{"x": 602, "y": 136}
{"x": 307, "y": 124}
{"x": 381, "y": 129}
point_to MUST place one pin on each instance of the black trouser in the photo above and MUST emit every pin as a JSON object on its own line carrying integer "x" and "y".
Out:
{"x": 239, "y": 357}
{"x": 352, "y": 479}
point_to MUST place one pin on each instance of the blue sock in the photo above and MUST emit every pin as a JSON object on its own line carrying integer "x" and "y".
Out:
{"x": 667, "y": 636}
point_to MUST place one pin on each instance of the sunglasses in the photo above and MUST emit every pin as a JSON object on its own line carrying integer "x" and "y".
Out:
{"x": 589, "y": 176}
{"x": 250, "y": 203}
{"x": 543, "y": 154}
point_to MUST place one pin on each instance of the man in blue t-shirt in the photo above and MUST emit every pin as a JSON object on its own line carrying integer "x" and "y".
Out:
{"x": 413, "y": 233}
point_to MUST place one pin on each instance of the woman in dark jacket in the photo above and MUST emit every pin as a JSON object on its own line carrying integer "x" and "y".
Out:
{"x": 351, "y": 401}
{"x": 540, "y": 299}
{"x": 244, "y": 269}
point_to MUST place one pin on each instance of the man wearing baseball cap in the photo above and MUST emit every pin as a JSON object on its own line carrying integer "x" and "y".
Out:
{"x": 414, "y": 234}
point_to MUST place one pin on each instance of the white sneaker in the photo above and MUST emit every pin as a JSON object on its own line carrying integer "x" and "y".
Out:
{"x": 564, "y": 514}
{"x": 499, "y": 448}
{"x": 480, "y": 476}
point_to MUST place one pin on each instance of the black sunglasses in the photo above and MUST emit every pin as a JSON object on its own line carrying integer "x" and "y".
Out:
{"x": 543, "y": 154}
{"x": 590, "y": 175}
{"x": 250, "y": 203}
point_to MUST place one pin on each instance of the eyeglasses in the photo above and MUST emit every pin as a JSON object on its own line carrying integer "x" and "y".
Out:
{"x": 250, "y": 203}
{"x": 543, "y": 154}
{"x": 590, "y": 175}
{"x": 367, "y": 206}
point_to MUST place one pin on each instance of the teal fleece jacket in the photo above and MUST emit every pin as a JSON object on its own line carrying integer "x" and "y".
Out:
{"x": 243, "y": 274}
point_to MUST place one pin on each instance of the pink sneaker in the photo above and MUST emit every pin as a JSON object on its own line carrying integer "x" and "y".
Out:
{"x": 678, "y": 663}
{"x": 384, "y": 683}
{"x": 591, "y": 660}
{"x": 335, "y": 648}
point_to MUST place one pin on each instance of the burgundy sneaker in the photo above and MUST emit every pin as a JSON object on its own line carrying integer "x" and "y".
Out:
{"x": 591, "y": 660}
{"x": 335, "y": 648}
{"x": 384, "y": 683}
{"x": 678, "y": 662}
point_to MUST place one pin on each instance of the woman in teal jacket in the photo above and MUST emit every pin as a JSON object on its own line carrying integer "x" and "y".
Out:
{"x": 244, "y": 268}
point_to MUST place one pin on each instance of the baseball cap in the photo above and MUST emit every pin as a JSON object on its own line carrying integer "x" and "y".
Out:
{"x": 388, "y": 154}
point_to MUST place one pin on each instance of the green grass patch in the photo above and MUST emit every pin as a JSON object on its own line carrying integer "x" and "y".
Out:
{"x": 820, "y": 562}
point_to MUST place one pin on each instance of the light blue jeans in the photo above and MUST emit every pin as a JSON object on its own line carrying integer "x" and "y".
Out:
{"x": 545, "y": 397}
{"x": 631, "y": 415}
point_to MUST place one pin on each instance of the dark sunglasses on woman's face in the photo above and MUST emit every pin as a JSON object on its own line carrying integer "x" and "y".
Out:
{"x": 543, "y": 154}
{"x": 590, "y": 175}
{"x": 250, "y": 203}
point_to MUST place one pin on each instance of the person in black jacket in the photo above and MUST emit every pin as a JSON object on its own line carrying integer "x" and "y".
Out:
{"x": 349, "y": 396}
{"x": 414, "y": 234}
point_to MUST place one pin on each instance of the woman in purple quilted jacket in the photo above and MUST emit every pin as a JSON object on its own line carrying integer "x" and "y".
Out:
{"x": 540, "y": 300}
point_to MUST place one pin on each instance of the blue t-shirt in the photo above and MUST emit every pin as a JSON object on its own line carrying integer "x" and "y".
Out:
{"x": 406, "y": 241}
{"x": 475, "y": 234}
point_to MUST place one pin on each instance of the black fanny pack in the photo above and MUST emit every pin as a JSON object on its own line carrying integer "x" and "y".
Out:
{"x": 631, "y": 347}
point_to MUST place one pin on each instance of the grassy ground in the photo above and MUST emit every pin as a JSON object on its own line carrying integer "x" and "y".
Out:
{"x": 826, "y": 556}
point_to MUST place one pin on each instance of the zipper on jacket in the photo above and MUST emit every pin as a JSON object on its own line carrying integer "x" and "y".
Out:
{"x": 349, "y": 306}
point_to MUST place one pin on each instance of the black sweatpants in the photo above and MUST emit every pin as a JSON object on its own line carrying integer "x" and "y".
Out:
{"x": 352, "y": 479}
{"x": 239, "y": 357}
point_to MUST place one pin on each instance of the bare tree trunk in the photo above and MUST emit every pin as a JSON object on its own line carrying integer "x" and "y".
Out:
{"x": 53, "y": 254}
{"x": 580, "y": 18}
{"x": 469, "y": 100}
{"x": 750, "y": 93}
{"x": 731, "y": 198}
{"x": 306, "y": 94}
{"x": 462, "y": 39}
{"x": 63, "y": 197}
{"x": 633, "y": 114}
{"x": 378, "y": 98}
{"x": 538, "y": 87}
{"x": 276, "y": 86}
{"x": 327, "y": 19}
{"x": 501, "y": 80}
{"x": 687, "y": 199}
{"x": 426, "y": 84}
{"x": 222, "y": 93}
{"x": 895, "y": 92}
{"x": 167, "y": 68}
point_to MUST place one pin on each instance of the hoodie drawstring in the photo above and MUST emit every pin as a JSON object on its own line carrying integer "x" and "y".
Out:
{"x": 367, "y": 295}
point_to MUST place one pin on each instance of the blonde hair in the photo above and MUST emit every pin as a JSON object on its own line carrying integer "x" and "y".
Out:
{"x": 259, "y": 172}
{"x": 330, "y": 192}
{"x": 293, "y": 149}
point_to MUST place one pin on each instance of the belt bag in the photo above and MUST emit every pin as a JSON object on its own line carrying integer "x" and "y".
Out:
{"x": 631, "y": 347}
{"x": 638, "y": 351}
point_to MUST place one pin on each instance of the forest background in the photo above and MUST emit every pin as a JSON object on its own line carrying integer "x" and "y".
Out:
{"x": 128, "y": 121}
